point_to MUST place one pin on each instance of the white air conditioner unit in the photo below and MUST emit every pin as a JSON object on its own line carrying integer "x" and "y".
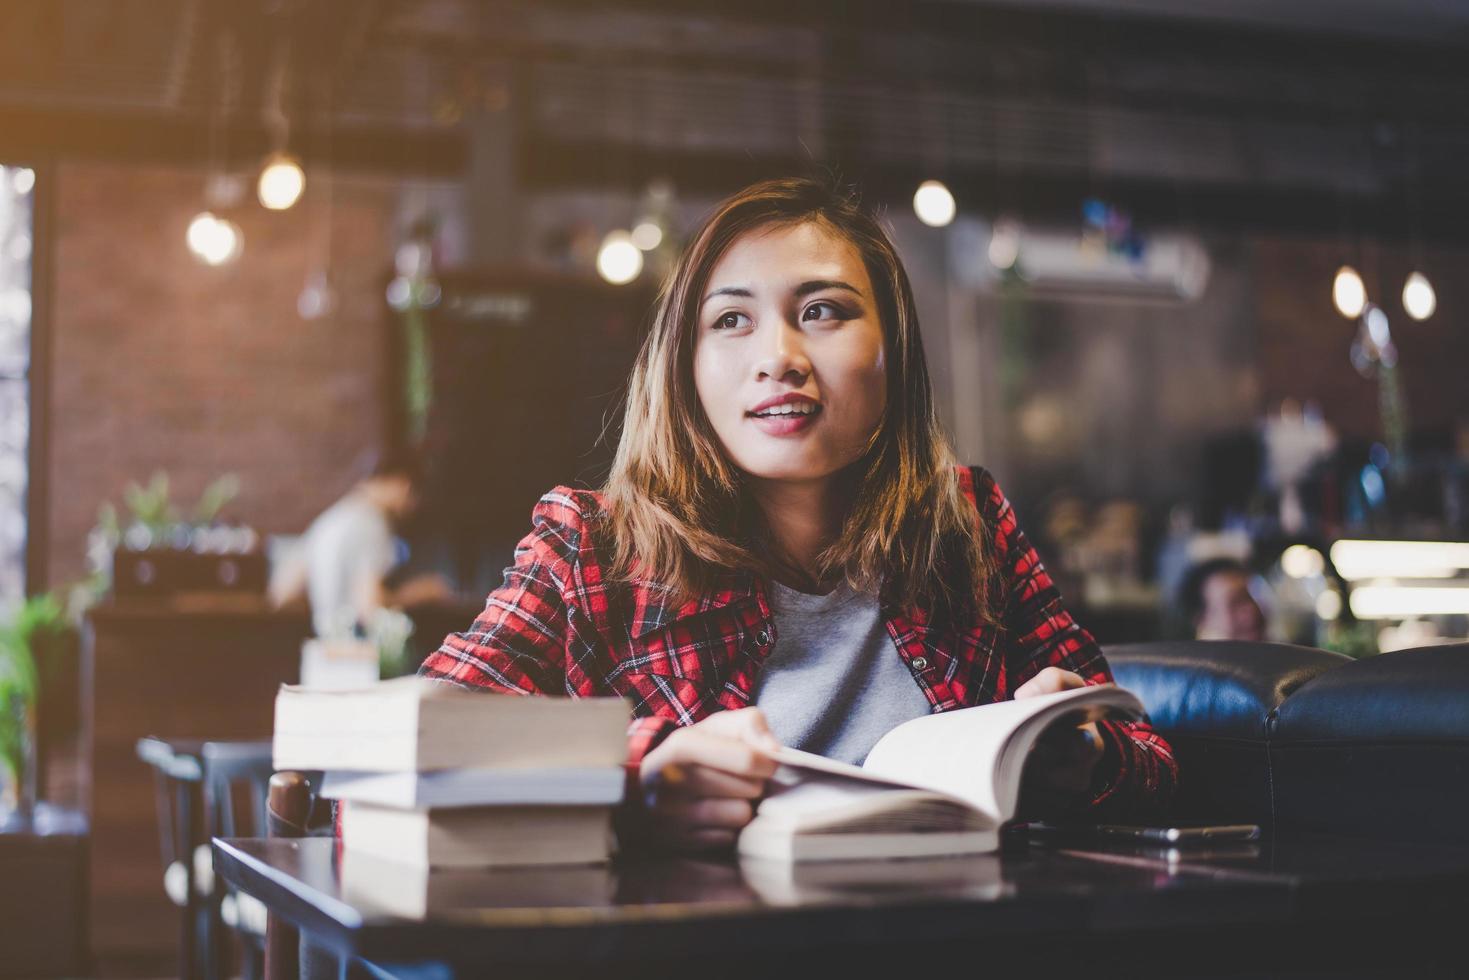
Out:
{"x": 1172, "y": 267}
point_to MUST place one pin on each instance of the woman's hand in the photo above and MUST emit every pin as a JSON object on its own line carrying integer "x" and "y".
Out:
{"x": 1059, "y": 770}
{"x": 703, "y": 781}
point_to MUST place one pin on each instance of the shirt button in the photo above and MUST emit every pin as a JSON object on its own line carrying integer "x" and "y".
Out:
{"x": 763, "y": 638}
{"x": 920, "y": 663}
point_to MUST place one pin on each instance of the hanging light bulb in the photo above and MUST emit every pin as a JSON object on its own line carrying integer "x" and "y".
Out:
{"x": 317, "y": 299}
{"x": 1004, "y": 247}
{"x": 200, "y": 233}
{"x": 648, "y": 235}
{"x": 281, "y": 182}
{"x": 619, "y": 260}
{"x": 213, "y": 240}
{"x": 933, "y": 204}
{"x": 1418, "y": 297}
{"x": 1348, "y": 293}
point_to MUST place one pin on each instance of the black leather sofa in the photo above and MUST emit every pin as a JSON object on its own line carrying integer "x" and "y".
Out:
{"x": 1297, "y": 739}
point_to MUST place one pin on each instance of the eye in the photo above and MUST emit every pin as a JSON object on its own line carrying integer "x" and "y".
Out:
{"x": 730, "y": 321}
{"x": 823, "y": 311}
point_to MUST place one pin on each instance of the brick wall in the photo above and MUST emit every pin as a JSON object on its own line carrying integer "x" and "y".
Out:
{"x": 161, "y": 363}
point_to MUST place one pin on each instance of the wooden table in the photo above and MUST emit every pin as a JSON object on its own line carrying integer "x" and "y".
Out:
{"x": 1340, "y": 907}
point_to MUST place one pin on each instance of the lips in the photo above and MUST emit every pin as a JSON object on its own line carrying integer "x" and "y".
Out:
{"x": 791, "y": 404}
{"x": 786, "y": 414}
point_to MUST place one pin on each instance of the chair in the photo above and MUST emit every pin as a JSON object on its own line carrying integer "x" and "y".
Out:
{"x": 235, "y": 780}
{"x": 207, "y": 789}
{"x": 179, "y": 782}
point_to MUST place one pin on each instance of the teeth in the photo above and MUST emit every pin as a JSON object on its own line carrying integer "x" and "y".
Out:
{"x": 790, "y": 408}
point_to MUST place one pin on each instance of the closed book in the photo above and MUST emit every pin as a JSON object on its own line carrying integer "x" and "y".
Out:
{"x": 479, "y": 787}
{"x": 479, "y": 837}
{"x": 414, "y": 724}
{"x": 940, "y": 784}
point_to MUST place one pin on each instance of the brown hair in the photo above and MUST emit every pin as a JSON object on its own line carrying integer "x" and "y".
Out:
{"x": 678, "y": 512}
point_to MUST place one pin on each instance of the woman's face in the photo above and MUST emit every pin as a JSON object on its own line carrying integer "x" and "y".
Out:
{"x": 788, "y": 358}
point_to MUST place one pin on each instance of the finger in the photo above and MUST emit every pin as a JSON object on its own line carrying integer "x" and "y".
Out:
{"x": 1049, "y": 681}
{"x": 691, "y": 747}
{"x": 747, "y": 724}
{"x": 704, "y": 811}
{"x": 703, "y": 781}
{"x": 1043, "y": 683}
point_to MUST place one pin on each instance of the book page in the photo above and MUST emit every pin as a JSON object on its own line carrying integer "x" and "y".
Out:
{"x": 819, "y": 802}
{"x": 976, "y": 753}
{"x": 808, "y": 762}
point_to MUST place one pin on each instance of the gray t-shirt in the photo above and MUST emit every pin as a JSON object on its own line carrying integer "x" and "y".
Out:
{"x": 834, "y": 683}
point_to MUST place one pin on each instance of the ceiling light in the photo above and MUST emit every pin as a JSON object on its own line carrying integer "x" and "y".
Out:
{"x": 281, "y": 182}
{"x": 1302, "y": 561}
{"x": 1356, "y": 560}
{"x": 933, "y": 204}
{"x": 317, "y": 298}
{"x": 1004, "y": 247}
{"x": 1328, "y": 605}
{"x": 1385, "y": 601}
{"x": 1418, "y": 297}
{"x": 1348, "y": 293}
{"x": 1377, "y": 326}
{"x": 619, "y": 260}
{"x": 213, "y": 240}
{"x": 647, "y": 235}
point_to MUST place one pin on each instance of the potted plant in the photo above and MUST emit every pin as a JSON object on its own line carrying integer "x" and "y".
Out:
{"x": 38, "y": 627}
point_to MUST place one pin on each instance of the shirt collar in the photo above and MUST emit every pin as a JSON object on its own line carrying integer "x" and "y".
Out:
{"x": 657, "y": 611}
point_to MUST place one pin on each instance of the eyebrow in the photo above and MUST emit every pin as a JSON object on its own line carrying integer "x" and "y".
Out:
{"x": 804, "y": 289}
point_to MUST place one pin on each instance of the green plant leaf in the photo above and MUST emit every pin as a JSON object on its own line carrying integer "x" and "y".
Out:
{"x": 216, "y": 497}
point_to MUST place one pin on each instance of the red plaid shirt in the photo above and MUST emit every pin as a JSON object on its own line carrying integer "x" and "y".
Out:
{"x": 558, "y": 627}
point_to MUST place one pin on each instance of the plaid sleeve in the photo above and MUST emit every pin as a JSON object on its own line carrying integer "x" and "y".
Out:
{"x": 1137, "y": 775}
{"x": 517, "y": 645}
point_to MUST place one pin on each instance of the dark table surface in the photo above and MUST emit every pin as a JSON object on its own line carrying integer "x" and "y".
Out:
{"x": 1301, "y": 905}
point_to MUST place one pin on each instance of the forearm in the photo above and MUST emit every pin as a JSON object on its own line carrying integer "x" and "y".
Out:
{"x": 1137, "y": 777}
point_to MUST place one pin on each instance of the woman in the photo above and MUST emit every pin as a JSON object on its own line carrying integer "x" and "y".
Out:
{"x": 785, "y": 551}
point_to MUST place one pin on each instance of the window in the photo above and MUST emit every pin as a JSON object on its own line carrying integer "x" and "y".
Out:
{"x": 16, "y": 223}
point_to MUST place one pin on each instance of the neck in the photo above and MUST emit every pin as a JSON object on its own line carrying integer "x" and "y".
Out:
{"x": 374, "y": 494}
{"x": 804, "y": 518}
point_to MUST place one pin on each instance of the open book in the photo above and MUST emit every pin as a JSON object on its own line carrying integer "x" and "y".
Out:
{"x": 940, "y": 784}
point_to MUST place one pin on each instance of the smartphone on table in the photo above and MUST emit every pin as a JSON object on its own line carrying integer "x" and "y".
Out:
{"x": 1181, "y": 836}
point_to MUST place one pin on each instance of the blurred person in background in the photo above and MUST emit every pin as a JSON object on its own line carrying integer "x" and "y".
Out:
{"x": 343, "y": 565}
{"x": 1216, "y": 599}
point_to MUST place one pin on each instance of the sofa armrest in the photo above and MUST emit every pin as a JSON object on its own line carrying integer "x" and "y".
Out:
{"x": 1216, "y": 703}
{"x": 1218, "y": 689}
{"x": 1378, "y": 748}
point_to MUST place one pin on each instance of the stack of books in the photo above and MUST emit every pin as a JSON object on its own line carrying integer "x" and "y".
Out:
{"x": 434, "y": 776}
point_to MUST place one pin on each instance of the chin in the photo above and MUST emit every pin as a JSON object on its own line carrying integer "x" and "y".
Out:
{"x": 782, "y": 467}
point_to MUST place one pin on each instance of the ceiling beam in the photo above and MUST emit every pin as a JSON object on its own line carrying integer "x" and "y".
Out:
{"x": 158, "y": 138}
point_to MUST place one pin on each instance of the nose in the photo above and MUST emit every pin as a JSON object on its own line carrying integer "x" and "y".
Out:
{"x": 783, "y": 356}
